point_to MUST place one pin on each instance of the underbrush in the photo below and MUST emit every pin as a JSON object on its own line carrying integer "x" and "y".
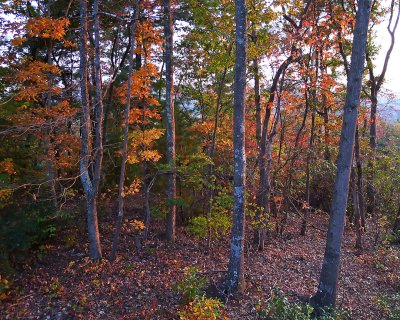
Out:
{"x": 278, "y": 307}
{"x": 198, "y": 306}
{"x": 25, "y": 232}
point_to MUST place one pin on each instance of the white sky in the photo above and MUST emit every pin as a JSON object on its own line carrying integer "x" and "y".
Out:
{"x": 392, "y": 78}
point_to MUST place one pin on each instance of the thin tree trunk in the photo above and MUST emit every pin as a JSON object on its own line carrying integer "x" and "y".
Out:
{"x": 356, "y": 208}
{"x": 327, "y": 289}
{"x": 371, "y": 160}
{"x": 308, "y": 162}
{"x": 261, "y": 195}
{"x": 357, "y": 155}
{"x": 212, "y": 147}
{"x": 266, "y": 212}
{"x": 169, "y": 107}
{"x": 309, "y": 151}
{"x": 89, "y": 188}
{"x": 396, "y": 225}
{"x": 49, "y": 149}
{"x": 235, "y": 280}
{"x": 125, "y": 143}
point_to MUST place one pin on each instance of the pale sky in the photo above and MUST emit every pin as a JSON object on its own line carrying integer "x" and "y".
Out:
{"x": 392, "y": 79}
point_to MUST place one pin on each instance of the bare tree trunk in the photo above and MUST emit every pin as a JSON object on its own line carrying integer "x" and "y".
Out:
{"x": 262, "y": 192}
{"x": 396, "y": 225}
{"x": 327, "y": 289}
{"x": 266, "y": 212}
{"x": 91, "y": 185}
{"x": 356, "y": 208}
{"x": 49, "y": 148}
{"x": 169, "y": 107}
{"x": 357, "y": 156}
{"x": 235, "y": 280}
{"x": 308, "y": 162}
{"x": 125, "y": 143}
{"x": 371, "y": 160}
{"x": 212, "y": 147}
{"x": 309, "y": 151}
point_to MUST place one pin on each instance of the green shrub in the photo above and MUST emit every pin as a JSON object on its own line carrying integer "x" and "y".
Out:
{"x": 220, "y": 220}
{"x": 390, "y": 305}
{"x": 191, "y": 284}
{"x": 24, "y": 228}
{"x": 280, "y": 308}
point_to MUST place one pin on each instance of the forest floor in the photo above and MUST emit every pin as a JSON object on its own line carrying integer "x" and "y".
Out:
{"x": 65, "y": 284}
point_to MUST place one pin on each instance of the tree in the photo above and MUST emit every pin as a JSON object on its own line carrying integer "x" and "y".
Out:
{"x": 126, "y": 132}
{"x": 170, "y": 118}
{"x": 375, "y": 84}
{"x": 88, "y": 154}
{"x": 235, "y": 280}
{"x": 326, "y": 294}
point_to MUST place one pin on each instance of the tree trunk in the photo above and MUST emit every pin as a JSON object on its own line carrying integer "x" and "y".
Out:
{"x": 327, "y": 289}
{"x": 169, "y": 108}
{"x": 125, "y": 142}
{"x": 356, "y": 209}
{"x": 235, "y": 280}
{"x": 309, "y": 151}
{"x": 357, "y": 155}
{"x": 396, "y": 225}
{"x": 371, "y": 160}
{"x": 90, "y": 185}
{"x": 262, "y": 192}
{"x": 49, "y": 149}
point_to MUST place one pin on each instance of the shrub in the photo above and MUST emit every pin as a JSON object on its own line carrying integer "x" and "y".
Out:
{"x": 220, "y": 219}
{"x": 390, "y": 305}
{"x": 191, "y": 284}
{"x": 24, "y": 228}
{"x": 203, "y": 309}
{"x": 280, "y": 308}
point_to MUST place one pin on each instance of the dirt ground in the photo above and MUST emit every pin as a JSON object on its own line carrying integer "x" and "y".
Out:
{"x": 65, "y": 284}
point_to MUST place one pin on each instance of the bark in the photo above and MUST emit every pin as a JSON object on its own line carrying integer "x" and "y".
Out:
{"x": 169, "y": 108}
{"x": 235, "y": 280}
{"x": 125, "y": 141}
{"x": 327, "y": 289}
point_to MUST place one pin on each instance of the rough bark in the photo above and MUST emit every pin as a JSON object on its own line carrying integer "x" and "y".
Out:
{"x": 327, "y": 289}
{"x": 169, "y": 108}
{"x": 235, "y": 280}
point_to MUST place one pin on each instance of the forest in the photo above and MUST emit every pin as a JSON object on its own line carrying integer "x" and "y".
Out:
{"x": 199, "y": 159}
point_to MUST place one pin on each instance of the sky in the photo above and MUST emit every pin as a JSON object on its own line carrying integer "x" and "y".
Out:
{"x": 389, "y": 109}
{"x": 392, "y": 77}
